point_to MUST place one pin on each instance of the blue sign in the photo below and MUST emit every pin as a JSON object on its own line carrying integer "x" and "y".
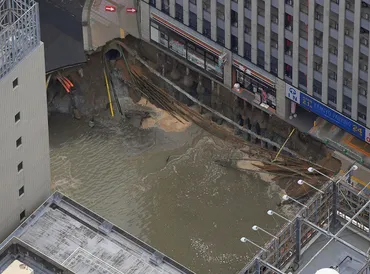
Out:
{"x": 333, "y": 116}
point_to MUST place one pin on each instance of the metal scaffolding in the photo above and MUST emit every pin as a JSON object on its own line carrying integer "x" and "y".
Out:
{"x": 341, "y": 202}
{"x": 19, "y": 32}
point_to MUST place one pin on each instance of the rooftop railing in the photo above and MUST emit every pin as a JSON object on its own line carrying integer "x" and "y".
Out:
{"x": 19, "y": 32}
{"x": 336, "y": 204}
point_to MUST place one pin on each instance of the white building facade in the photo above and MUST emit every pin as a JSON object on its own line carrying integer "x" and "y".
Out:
{"x": 315, "y": 48}
{"x": 24, "y": 139}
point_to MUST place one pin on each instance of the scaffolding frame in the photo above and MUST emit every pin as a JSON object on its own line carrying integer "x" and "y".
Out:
{"x": 341, "y": 202}
{"x": 19, "y": 32}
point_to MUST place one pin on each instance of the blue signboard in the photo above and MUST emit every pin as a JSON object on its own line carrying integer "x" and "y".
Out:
{"x": 327, "y": 113}
{"x": 332, "y": 116}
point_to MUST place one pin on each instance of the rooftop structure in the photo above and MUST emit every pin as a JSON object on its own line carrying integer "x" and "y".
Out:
{"x": 65, "y": 237}
{"x": 330, "y": 231}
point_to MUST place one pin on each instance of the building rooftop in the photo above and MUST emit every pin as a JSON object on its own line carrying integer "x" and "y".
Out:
{"x": 75, "y": 240}
{"x": 336, "y": 255}
{"x": 305, "y": 244}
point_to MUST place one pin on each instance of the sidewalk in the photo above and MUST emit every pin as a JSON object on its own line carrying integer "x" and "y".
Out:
{"x": 361, "y": 176}
{"x": 348, "y": 149}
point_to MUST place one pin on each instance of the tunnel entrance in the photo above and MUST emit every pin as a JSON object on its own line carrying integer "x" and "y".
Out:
{"x": 112, "y": 54}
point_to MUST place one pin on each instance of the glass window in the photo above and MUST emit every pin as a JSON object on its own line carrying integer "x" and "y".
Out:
{"x": 247, "y": 51}
{"x": 260, "y": 58}
{"x": 195, "y": 55}
{"x": 274, "y": 65}
{"x": 192, "y": 20}
{"x": 163, "y": 39}
{"x": 302, "y": 79}
{"x": 166, "y": 6}
{"x": 207, "y": 28}
{"x": 221, "y": 36}
{"x": 234, "y": 44}
{"x": 179, "y": 12}
{"x": 212, "y": 65}
{"x": 177, "y": 45}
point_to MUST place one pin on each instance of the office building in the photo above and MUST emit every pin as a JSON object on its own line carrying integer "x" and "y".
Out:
{"x": 24, "y": 140}
{"x": 310, "y": 52}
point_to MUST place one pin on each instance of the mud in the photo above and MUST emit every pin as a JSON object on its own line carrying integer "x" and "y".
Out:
{"x": 162, "y": 119}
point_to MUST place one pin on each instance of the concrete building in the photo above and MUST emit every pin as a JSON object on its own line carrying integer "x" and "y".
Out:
{"x": 296, "y": 55}
{"x": 24, "y": 139}
{"x": 62, "y": 236}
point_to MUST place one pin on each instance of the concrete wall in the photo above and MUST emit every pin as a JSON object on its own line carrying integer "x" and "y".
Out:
{"x": 100, "y": 26}
{"x": 282, "y": 103}
{"x": 145, "y": 24}
{"x": 29, "y": 99}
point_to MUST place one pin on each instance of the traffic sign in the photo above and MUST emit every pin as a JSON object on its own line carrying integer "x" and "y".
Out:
{"x": 131, "y": 10}
{"x": 110, "y": 8}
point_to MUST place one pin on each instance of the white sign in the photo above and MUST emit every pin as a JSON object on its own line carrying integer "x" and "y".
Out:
{"x": 154, "y": 34}
{"x": 367, "y": 135}
{"x": 292, "y": 93}
{"x": 177, "y": 47}
{"x": 195, "y": 59}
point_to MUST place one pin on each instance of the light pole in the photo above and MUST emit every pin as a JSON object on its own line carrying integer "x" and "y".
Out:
{"x": 256, "y": 228}
{"x": 301, "y": 182}
{"x": 311, "y": 169}
{"x": 246, "y": 240}
{"x": 271, "y": 213}
{"x": 286, "y": 198}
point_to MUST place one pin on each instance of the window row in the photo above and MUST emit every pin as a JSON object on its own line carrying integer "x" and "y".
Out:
{"x": 186, "y": 49}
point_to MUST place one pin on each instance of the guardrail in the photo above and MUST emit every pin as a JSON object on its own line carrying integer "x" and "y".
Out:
{"x": 339, "y": 147}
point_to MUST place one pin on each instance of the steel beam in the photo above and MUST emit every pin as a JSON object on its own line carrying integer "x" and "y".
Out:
{"x": 335, "y": 206}
{"x": 328, "y": 234}
{"x": 337, "y": 238}
{"x": 270, "y": 266}
{"x": 298, "y": 240}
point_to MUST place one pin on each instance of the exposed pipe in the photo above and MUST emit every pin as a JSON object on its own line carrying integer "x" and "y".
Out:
{"x": 287, "y": 139}
{"x": 152, "y": 70}
{"x": 108, "y": 91}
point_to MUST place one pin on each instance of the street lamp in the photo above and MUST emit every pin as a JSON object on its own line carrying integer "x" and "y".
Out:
{"x": 246, "y": 240}
{"x": 301, "y": 182}
{"x": 286, "y": 198}
{"x": 271, "y": 213}
{"x": 256, "y": 228}
{"x": 311, "y": 169}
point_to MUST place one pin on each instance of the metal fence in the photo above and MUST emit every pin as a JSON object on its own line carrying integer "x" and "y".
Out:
{"x": 338, "y": 203}
{"x": 19, "y": 32}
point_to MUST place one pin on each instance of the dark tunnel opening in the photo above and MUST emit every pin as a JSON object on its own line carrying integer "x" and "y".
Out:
{"x": 112, "y": 54}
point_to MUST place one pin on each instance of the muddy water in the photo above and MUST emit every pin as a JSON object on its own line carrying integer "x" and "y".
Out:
{"x": 164, "y": 188}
